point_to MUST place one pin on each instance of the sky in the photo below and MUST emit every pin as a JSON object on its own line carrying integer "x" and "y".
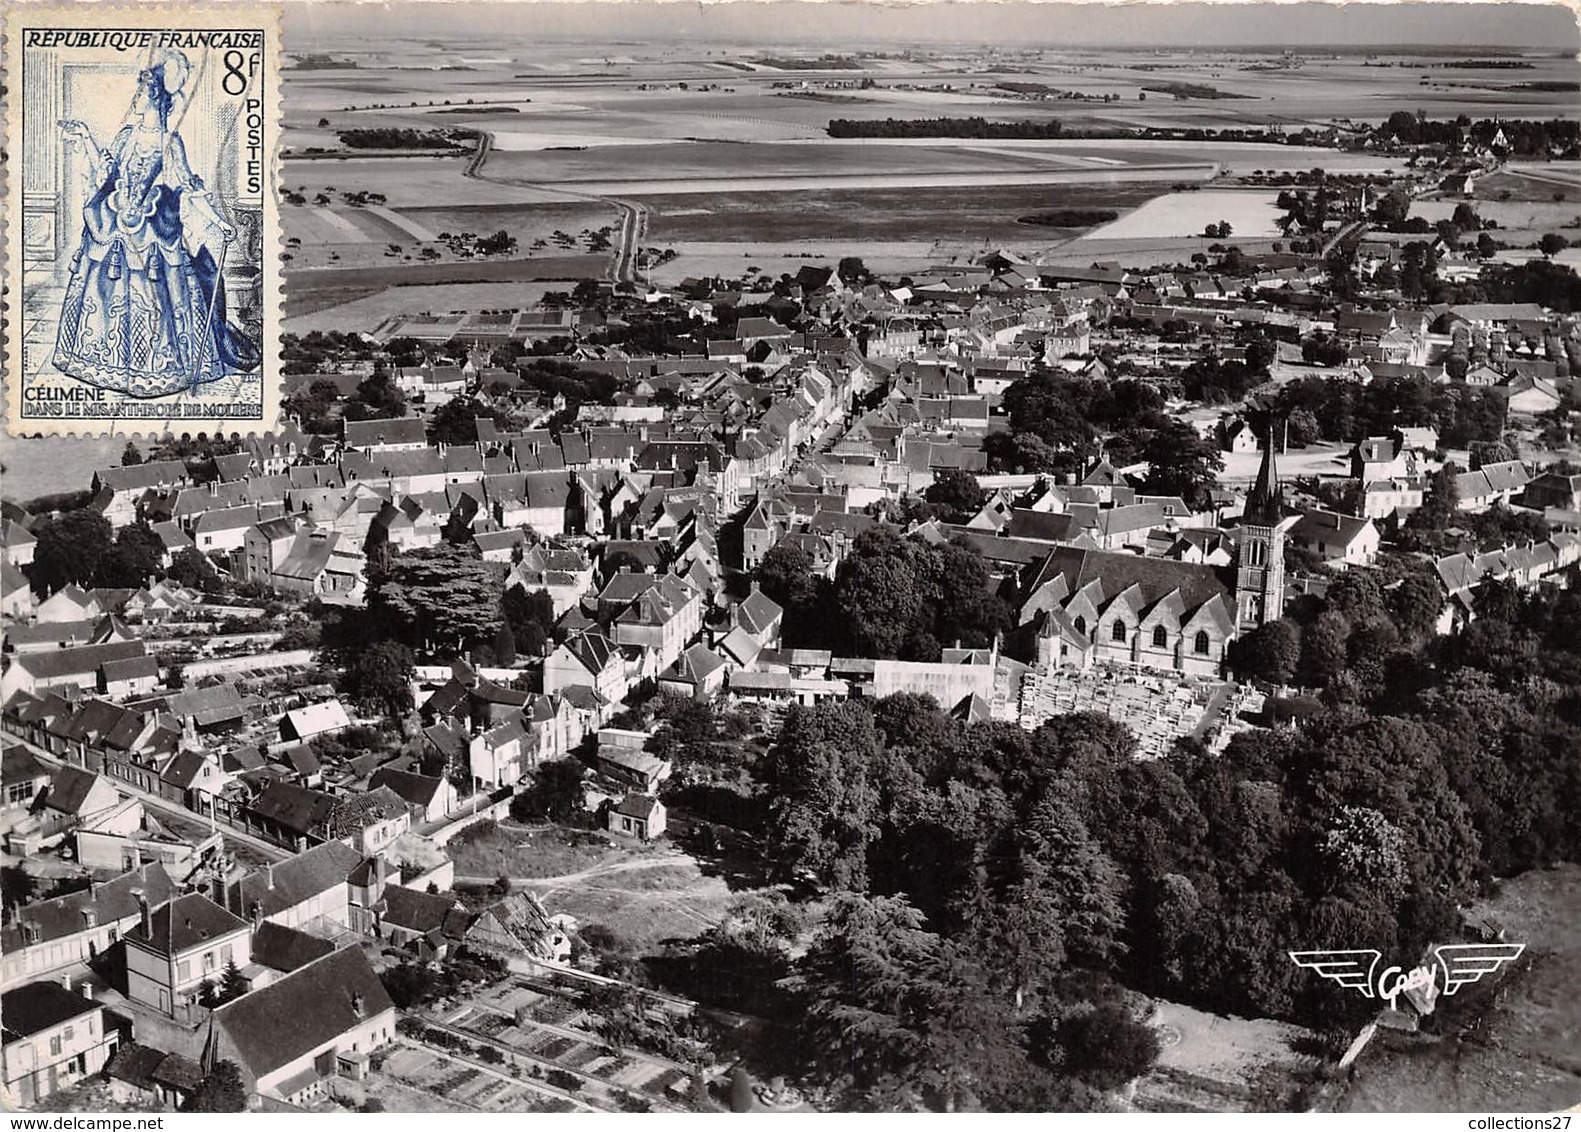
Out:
{"x": 840, "y": 23}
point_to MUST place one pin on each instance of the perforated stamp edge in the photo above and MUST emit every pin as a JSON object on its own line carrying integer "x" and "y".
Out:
{"x": 156, "y": 16}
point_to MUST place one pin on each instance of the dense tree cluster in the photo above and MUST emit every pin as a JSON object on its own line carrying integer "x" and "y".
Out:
{"x": 1050, "y": 858}
{"x": 973, "y": 127}
{"x": 1346, "y": 411}
{"x": 80, "y": 547}
{"x": 891, "y": 597}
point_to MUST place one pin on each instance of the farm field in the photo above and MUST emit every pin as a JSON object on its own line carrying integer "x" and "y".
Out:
{"x": 1526, "y": 1056}
{"x": 905, "y": 214}
{"x": 363, "y": 308}
{"x": 407, "y": 182}
{"x": 1186, "y": 214}
{"x": 309, "y": 289}
{"x": 1517, "y": 220}
{"x": 360, "y": 237}
{"x": 36, "y": 466}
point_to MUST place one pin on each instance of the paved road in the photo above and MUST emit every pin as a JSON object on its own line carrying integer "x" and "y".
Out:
{"x": 630, "y": 230}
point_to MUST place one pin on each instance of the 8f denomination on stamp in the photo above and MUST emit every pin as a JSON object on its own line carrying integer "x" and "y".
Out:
{"x": 142, "y": 240}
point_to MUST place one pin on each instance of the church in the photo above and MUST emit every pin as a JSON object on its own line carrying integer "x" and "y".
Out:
{"x": 1082, "y": 605}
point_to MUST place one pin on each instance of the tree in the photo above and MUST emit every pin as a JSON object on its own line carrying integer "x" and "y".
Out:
{"x": 880, "y": 592}
{"x": 852, "y": 271}
{"x": 1106, "y": 1046}
{"x": 191, "y": 568}
{"x": 136, "y": 556}
{"x": 382, "y": 674}
{"x": 70, "y": 550}
{"x": 456, "y": 422}
{"x": 441, "y": 594}
{"x": 823, "y": 810}
{"x": 232, "y": 984}
{"x": 1271, "y": 652}
{"x": 1551, "y": 244}
{"x": 786, "y": 575}
{"x": 1182, "y": 463}
{"x": 221, "y": 1091}
{"x": 555, "y": 794}
{"x": 1440, "y": 502}
{"x": 130, "y": 456}
{"x": 1363, "y": 851}
{"x": 957, "y": 493}
{"x": 505, "y": 646}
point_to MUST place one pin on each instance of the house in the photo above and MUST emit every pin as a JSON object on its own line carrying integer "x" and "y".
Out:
{"x": 620, "y": 756}
{"x": 304, "y": 890}
{"x": 69, "y": 603}
{"x": 17, "y": 543}
{"x": 302, "y": 725}
{"x": 1340, "y": 540}
{"x": 22, "y": 779}
{"x": 428, "y": 923}
{"x": 1383, "y": 498}
{"x": 1531, "y": 396}
{"x": 77, "y": 796}
{"x": 587, "y": 658}
{"x": 322, "y": 1020}
{"x": 760, "y": 617}
{"x": 1553, "y": 489}
{"x": 402, "y": 434}
{"x": 518, "y": 929}
{"x": 180, "y": 949}
{"x": 47, "y": 935}
{"x": 1491, "y": 484}
{"x": 429, "y": 798}
{"x": 637, "y": 815}
{"x": 1240, "y": 437}
{"x": 16, "y": 593}
{"x": 279, "y": 950}
{"x": 143, "y": 1074}
{"x": 698, "y": 673}
{"x": 1383, "y": 457}
{"x": 53, "y": 1038}
{"x": 129, "y": 677}
{"x": 60, "y": 668}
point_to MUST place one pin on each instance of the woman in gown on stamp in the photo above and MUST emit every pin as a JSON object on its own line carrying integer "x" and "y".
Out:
{"x": 144, "y": 312}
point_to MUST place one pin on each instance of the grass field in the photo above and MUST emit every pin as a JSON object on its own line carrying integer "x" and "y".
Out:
{"x": 1527, "y": 1055}
{"x": 515, "y": 852}
{"x": 880, "y": 214}
{"x": 312, "y": 291}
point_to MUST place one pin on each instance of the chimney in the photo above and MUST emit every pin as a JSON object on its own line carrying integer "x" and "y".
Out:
{"x": 87, "y": 990}
{"x": 269, "y": 876}
{"x": 65, "y": 980}
{"x": 146, "y": 918}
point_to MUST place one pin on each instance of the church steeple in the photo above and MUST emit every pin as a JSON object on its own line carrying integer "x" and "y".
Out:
{"x": 1265, "y": 503}
{"x": 1260, "y": 556}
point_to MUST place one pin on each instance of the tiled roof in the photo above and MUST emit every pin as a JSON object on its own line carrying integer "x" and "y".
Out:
{"x": 312, "y": 1006}
{"x": 184, "y": 923}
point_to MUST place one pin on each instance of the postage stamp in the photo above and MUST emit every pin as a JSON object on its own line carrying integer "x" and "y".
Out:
{"x": 142, "y": 239}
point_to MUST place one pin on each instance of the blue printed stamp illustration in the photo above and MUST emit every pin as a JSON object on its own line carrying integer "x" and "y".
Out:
{"x": 142, "y": 238}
